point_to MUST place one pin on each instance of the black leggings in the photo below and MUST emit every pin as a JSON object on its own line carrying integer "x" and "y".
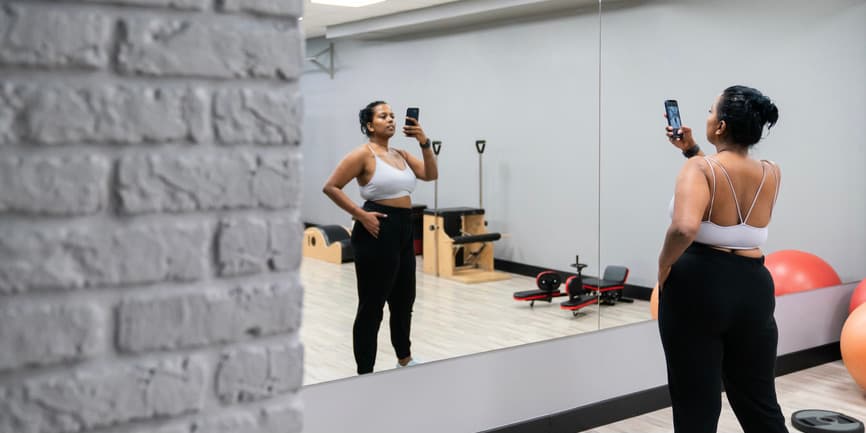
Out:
{"x": 385, "y": 269}
{"x": 716, "y": 323}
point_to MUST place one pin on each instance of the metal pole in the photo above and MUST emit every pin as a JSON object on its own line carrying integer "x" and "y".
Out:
{"x": 479, "y": 146}
{"x": 437, "y": 146}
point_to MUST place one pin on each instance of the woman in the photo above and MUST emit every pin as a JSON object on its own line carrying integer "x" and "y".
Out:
{"x": 717, "y": 298}
{"x": 383, "y": 242}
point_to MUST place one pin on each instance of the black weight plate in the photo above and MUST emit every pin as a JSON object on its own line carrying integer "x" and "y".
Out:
{"x": 821, "y": 421}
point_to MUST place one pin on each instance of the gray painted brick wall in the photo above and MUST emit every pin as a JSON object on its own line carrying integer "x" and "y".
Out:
{"x": 150, "y": 179}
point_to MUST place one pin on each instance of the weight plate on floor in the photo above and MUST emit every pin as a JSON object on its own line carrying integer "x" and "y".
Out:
{"x": 821, "y": 421}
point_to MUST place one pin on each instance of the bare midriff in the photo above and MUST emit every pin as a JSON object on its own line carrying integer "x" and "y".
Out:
{"x": 402, "y": 202}
{"x": 751, "y": 252}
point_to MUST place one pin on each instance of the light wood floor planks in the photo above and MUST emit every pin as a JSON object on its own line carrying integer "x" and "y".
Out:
{"x": 827, "y": 387}
{"x": 450, "y": 319}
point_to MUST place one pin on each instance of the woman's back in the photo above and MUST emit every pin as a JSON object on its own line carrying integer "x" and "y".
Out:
{"x": 745, "y": 190}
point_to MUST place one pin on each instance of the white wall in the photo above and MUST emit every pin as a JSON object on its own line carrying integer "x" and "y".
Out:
{"x": 810, "y": 57}
{"x": 529, "y": 88}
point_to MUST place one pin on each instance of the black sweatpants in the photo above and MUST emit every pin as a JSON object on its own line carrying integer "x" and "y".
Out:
{"x": 716, "y": 323}
{"x": 385, "y": 270}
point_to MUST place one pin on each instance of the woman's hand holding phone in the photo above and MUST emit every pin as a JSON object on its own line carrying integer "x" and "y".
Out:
{"x": 412, "y": 128}
{"x": 684, "y": 141}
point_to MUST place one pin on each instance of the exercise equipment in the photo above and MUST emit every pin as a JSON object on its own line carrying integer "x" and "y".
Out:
{"x": 824, "y": 421}
{"x": 610, "y": 286}
{"x": 796, "y": 271}
{"x": 331, "y": 243}
{"x": 548, "y": 283}
{"x": 852, "y": 344}
{"x": 578, "y": 296}
{"x": 437, "y": 147}
{"x": 457, "y": 245}
{"x": 858, "y": 297}
{"x": 479, "y": 146}
{"x": 607, "y": 290}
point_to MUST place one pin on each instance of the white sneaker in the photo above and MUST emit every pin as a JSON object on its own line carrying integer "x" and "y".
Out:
{"x": 408, "y": 364}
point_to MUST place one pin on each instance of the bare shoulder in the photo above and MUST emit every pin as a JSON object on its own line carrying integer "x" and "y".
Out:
{"x": 358, "y": 155}
{"x": 697, "y": 164}
{"x": 774, "y": 166}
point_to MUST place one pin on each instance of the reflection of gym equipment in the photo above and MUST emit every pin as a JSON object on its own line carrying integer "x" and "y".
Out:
{"x": 610, "y": 287}
{"x": 458, "y": 246}
{"x": 548, "y": 288}
{"x": 456, "y": 243}
{"x": 578, "y": 296}
{"x": 330, "y": 243}
{"x": 591, "y": 291}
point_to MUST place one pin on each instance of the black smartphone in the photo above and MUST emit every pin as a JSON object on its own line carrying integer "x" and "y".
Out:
{"x": 673, "y": 112}
{"x": 412, "y": 112}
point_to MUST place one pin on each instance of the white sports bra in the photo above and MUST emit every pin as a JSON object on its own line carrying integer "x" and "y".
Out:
{"x": 737, "y": 237}
{"x": 388, "y": 182}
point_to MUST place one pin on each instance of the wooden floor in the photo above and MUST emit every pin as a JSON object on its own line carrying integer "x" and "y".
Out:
{"x": 826, "y": 387}
{"x": 450, "y": 319}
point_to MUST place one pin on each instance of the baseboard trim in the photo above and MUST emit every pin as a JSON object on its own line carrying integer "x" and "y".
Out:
{"x": 639, "y": 403}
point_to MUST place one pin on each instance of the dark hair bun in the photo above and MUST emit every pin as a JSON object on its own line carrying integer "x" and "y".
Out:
{"x": 769, "y": 112}
{"x": 746, "y": 110}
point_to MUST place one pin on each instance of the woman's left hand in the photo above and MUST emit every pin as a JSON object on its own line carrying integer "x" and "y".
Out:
{"x": 663, "y": 276}
{"x": 415, "y": 131}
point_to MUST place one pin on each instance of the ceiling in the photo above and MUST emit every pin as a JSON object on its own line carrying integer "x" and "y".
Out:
{"x": 317, "y": 17}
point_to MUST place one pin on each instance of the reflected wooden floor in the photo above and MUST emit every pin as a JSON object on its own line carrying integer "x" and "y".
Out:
{"x": 826, "y": 387}
{"x": 450, "y": 319}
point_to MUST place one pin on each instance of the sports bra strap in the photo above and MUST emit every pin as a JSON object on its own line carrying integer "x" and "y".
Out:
{"x": 731, "y": 184}
{"x": 755, "y": 200}
{"x": 713, "y": 193}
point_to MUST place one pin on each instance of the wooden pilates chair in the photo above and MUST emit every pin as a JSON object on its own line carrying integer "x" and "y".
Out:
{"x": 457, "y": 245}
{"x": 329, "y": 243}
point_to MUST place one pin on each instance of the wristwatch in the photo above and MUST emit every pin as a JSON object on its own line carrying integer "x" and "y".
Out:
{"x": 425, "y": 144}
{"x": 692, "y": 151}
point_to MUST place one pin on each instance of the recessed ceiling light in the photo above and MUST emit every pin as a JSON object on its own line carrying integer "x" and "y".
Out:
{"x": 347, "y": 3}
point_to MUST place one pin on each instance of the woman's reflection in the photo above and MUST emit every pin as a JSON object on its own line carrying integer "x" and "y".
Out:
{"x": 383, "y": 242}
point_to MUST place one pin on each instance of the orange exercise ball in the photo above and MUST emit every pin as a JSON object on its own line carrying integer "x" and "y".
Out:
{"x": 858, "y": 297}
{"x": 853, "y": 345}
{"x": 795, "y": 271}
{"x": 654, "y": 302}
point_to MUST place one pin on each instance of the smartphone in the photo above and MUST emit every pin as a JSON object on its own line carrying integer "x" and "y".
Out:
{"x": 673, "y": 112}
{"x": 412, "y": 112}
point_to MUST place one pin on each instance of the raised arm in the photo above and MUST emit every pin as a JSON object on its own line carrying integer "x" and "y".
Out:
{"x": 685, "y": 142}
{"x": 426, "y": 169}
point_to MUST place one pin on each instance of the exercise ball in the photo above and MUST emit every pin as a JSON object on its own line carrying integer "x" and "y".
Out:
{"x": 654, "y": 302}
{"x": 795, "y": 271}
{"x": 853, "y": 345}
{"x": 858, "y": 297}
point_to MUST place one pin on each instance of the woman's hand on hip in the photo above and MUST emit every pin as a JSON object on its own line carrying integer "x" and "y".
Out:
{"x": 370, "y": 220}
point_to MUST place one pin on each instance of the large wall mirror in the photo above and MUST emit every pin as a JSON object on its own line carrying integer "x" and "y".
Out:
{"x": 809, "y": 57}
{"x": 522, "y": 76}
